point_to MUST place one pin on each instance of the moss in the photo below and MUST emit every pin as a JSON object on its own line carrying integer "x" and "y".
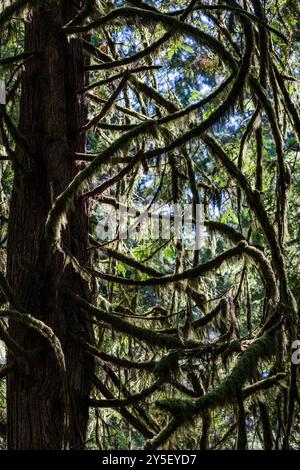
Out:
{"x": 55, "y": 344}
{"x": 153, "y": 338}
{"x": 13, "y": 9}
{"x": 165, "y": 434}
{"x": 224, "y": 229}
{"x": 126, "y": 363}
{"x": 228, "y": 391}
{"x": 170, "y": 23}
{"x": 64, "y": 203}
{"x": 168, "y": 367}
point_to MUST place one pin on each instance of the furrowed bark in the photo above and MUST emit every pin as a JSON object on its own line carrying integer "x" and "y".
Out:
{"x": 50, "y": 114}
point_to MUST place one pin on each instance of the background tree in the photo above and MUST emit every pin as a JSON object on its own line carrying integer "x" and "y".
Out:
{"x": 157, "y": 103}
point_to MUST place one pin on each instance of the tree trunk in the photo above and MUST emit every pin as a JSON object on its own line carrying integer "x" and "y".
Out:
{"x": 51, "y": 113}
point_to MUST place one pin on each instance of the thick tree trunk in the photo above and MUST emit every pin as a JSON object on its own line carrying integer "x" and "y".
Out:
{"x": 50, "y": 115}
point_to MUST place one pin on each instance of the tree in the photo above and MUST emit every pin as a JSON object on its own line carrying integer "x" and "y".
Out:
{"x": 170, "y": 104}
{"x": 50, "y": 116}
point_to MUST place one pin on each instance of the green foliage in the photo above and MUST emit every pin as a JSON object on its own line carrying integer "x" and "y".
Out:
{"x": 208, "y": 113}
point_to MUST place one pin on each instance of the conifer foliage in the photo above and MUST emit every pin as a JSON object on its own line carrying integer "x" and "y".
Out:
{"x": 113, "y": 341}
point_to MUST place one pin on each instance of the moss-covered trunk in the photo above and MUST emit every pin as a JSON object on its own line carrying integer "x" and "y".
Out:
{"x": 51, "y": 114}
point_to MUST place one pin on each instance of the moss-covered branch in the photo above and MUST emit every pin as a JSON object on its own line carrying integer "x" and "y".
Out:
{"x": 192, "y": 273}
{"x": 150, "y": 337}
{"x": 184, "y": 411}
{"x": 121, "y": 362}
{"x": 55, "y": 344}
{"x": 167, "y": 21}
{"x": 119, "y": 403}
{"x": 127, "y": 415}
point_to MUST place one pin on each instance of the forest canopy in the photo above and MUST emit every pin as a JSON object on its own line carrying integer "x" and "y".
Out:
{"x": 178, "y": 328}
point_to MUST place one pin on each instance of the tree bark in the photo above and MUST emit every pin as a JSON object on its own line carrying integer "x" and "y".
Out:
{"x": 51, "y": 112}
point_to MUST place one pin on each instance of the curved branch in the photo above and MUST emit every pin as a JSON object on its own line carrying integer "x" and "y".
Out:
{"x": 149, "y": 366}
{"x": 133, "y": 58}
{"x": 119, "y": 403}
{"x": 149, "y": 336}
{"x": 192, "y": 273}
{"x": 55, "y": 344}
{"x": 184, "y": 411}
{"x": 167, "y": 21}
{"x": 132, "y": 419}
